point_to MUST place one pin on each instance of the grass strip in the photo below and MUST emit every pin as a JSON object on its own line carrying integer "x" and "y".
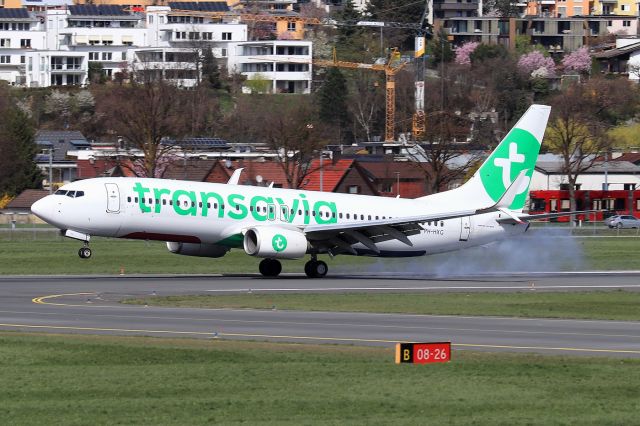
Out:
{"x": 43, "y": 254}
{"x": 610, "y": 305}
{"x": 100, "y": 380}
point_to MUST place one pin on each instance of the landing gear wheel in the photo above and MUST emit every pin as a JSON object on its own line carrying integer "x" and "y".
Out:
{"x": 84, "y": 252}
{"x": 270, "y": 267}
{"x": 316, "y": 269}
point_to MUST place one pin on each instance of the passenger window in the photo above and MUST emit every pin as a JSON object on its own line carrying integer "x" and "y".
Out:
{"x": 442, "y": 224}
{"x": 377, "y": 218}
{"x": 369, "y": 217}
{"x": 306, "y": 212}
{"x": 348, "y": 216}
{"x": 136, "y": 199}
{"x": 208, "y": 205}
{"x": 170, "y": 202}
{"x": 128, "y": 199}
{"x": 340, "y": 215}
{"x": 300, "y": 212}
{"x": 157, "y": 201}
{"x": 164, "y": 202}
{"x": 221, "y": 206}
{"x": 200, "y": 204}
{"x": 150, "y": 201}
{"x": 250, "y": 208}
{"x": 333, "y": 215}
{"x": 215, "y": 205}
{"x": 313, "y": 213}
{"x": 361, "y": 217}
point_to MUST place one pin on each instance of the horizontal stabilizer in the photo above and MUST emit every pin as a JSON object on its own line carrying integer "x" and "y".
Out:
{"x": 523, "y": 218}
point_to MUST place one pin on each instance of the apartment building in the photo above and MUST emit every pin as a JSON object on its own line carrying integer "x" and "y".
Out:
{"x": 285, "y": 64}
{"x": 56, "y": 47}
{"x": 556, "y": 35}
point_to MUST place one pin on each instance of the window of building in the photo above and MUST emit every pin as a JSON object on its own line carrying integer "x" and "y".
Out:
{"x": 577, "y": 10}
{"x": 23, "y": 59}
{"x": 25, "y": 43}
{"x": 609, "y": 23}
{"x": 223, "y": 53}
{"x": 5, "y": 42}
{"x": 226, "y": 36}
{"x": 194, "y": 35}
{"x": 625, "y": 7}
{"x": 150, "y": 19}
{"x": 626, "y": 23}
{"x": 123, "y": 56}
{"x": 354, "y": 189}
{"x": 207, "y": 36}
{"x": 291, "y": 26}
{"x": 106, "y": 56}
{"x": 94, "y": 56}
{"x": 5, "y": 59}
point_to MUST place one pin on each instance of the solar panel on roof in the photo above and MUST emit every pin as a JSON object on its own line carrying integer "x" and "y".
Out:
{"x": 96, "y": 10}
{"x": 205, "y": 6}
{"x": 14, "y": 13}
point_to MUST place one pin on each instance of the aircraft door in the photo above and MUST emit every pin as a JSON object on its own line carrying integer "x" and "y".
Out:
{"x": 113, "y": 198}
{"x": 284, "y": 214}
{"x": 465, "y": 228}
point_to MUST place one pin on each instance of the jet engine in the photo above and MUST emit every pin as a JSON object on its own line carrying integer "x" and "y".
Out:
{"x": 200, "y": 250}
{"x": 275, "y": 242}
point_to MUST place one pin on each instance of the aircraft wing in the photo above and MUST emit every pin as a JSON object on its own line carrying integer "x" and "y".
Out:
{"x": 344, "y": 235}
{"x": 523, "y": 218}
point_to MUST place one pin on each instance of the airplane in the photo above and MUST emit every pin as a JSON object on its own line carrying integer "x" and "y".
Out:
{"x": 208, "y": 220}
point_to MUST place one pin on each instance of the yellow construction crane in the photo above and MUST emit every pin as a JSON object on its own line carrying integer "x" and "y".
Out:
{"x": 390, "y": 68}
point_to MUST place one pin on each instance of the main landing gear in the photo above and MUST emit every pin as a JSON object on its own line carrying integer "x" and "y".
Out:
{"x": 315, "y": 268}
{"x": 85, "y": 252}
{"x": 271, "y": 268}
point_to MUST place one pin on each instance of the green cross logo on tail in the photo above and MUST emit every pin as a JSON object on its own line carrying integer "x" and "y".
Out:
{"x": 279, "y": 243}
{"x": 517, "y": 152}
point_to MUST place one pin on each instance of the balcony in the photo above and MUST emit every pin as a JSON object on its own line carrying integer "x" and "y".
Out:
{"x": 66, "y": 68}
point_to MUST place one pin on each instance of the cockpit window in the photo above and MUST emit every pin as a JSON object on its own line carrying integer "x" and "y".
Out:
{"x": 61, "y": 192}
{"x": 79, "y": 194}
{"x": 71, "y": 194}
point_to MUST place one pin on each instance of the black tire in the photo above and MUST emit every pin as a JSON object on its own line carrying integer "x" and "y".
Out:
{"x": 619, "y": 226}
{"x": 81, "y": 253}
{"x": 316, "y": 269}
{"x": 84, "y": 252}
{"x": 270, "y": 267}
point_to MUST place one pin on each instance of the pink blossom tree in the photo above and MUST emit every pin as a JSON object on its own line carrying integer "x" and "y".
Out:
{"x": 579, "y": 61}
{"x": 536, "y": 62}
{"x": 463, "y": 52}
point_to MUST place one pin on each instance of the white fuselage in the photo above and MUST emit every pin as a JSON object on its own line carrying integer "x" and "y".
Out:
{"x": 201, "y": 212}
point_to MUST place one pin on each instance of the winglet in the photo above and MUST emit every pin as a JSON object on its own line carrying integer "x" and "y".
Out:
{"x": 509, "y": 195}
{"x": 235, "y": 177}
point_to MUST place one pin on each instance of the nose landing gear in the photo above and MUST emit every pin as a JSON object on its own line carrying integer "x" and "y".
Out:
{"x": 85, "y": 252}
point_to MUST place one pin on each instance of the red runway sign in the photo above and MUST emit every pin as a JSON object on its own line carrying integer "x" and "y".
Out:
{"x": 423, "y": 353}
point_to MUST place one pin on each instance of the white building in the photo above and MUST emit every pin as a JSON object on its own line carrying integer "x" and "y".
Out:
{"x": 618, "y": 174}
{"x": 285, "y": 64}
{"x": 58, "y": 46}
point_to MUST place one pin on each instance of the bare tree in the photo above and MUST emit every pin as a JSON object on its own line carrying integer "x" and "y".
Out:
{"x": 288, "y": 124}
{"x": 144, "y": 114}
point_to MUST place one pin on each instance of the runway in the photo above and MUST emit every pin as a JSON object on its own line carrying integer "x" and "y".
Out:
{"x": 91, "y": 305}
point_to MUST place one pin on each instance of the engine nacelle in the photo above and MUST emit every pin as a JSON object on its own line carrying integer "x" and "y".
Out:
{"x": 275, "y": 243}
{"x": 194, "y": 249}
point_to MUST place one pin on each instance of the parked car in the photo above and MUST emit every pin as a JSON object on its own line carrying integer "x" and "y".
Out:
{"x": 622, "y": 221}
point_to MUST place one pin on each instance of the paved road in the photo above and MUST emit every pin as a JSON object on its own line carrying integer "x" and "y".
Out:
{"x": 90, "y": 305}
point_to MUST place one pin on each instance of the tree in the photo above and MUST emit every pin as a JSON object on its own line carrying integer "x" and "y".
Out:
{"x": 348, "y": 16}
{"x": 145, "y": 114}
{"x": 332, "y": 101}
{"x": 366, "y": 103}
{"x": 440, "y": 49}
{"x": 536, "y": 62}
{"x": 406, "y": 11}
{"x": 463, "y": 52}
{"x": 578, "y": 61}
{"x": 18, "y": 170}
{"x": 288, "y": 124}
{"x": 579, "y": 134}
{"x": 484, "y": 52}
{"x": 211, "y": 70}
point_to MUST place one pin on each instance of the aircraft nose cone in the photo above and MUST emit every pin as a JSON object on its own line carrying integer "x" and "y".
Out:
{"x": 42, "y": 208}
